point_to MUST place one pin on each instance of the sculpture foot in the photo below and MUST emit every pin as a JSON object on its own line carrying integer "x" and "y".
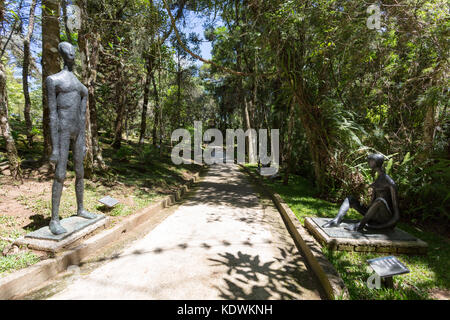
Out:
{"x": 86, "y": 214}
{"x": 56, "y": 228}
{"x": 331, "y": 224}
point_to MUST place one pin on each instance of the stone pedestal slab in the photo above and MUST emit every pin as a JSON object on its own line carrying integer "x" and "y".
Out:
{"x": 338, "y": 238}
{"x": 77, "y": 228}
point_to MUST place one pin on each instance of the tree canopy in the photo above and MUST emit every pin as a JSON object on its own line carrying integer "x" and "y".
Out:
{"x": 336, "y": 88}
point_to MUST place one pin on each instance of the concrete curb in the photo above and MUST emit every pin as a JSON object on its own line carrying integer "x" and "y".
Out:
{"x": 25, "y": 280}
{"x": 329, "y": 278}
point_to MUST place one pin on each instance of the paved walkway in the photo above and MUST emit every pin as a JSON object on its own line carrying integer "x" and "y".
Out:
{"x": 223, "y": 242}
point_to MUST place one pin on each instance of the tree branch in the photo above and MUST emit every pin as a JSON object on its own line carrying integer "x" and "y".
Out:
{"x": 180, "y": 42}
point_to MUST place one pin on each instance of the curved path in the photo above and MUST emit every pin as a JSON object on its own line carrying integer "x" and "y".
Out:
{"x": 223, "y": 242}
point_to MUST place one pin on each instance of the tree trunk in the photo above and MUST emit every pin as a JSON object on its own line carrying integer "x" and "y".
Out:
{"x": 50, "y": 62}
{"x": 156, "y": 113}
{"x": 290, "y": 139}
{"x": 121, "y": 107}
{"x": 179, "y": 72}
{"x": 316, "y": 134}
{"x": 89, "y": 157}
{"x": 93, "y": 46}
{"x": 83, "y": 44}
{"x": 248, "y": 126}
{"x": 65, "y": 18}
{"x": 145, "y": 104}
{"x": 25, "y": 71}
{"x": 88, "y": 42}
{"x": 11, "y": 151}
{"x": 2, "y": 11}
{"x": 127, "y": 113}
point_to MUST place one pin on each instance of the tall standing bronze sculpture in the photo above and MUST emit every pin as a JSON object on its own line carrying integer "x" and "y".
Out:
{"x": 67, "y": 98}
{"x": 382, "y": 213}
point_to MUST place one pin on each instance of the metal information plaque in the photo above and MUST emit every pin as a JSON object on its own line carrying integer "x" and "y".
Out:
{"x": 387, "y": 266}
{"x": 108, "y": 201}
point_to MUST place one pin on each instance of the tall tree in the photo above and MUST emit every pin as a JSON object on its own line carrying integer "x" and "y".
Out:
{"x": 121, "y": 106}
{"x": 157, "y": 111}
{"x": 88, "y": 42}
{"x": 25, "y": 72}
{"x": 148, "y": 77}
{"x": 50, "y": 61}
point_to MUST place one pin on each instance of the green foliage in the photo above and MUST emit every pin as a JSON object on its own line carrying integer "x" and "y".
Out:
{"x": 124, "y": 153}
{"x": 15, "y": 93}
{"x": 428, "y": 272}
{"x": 424, "y": 188}
{"x": 378, "y": 114}
{"x": 353, "y": 90}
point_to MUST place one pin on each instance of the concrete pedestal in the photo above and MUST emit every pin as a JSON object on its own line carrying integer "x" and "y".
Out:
{"x": 77, "y": 228}
{"x": 338, "y": 238}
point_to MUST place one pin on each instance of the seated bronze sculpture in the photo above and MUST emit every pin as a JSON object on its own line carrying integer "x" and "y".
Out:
{"x": 382, "y": 213}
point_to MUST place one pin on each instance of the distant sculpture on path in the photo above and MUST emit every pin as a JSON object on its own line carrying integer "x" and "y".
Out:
{"x": 67, "y": 99}
{"x": 382, "y": 212}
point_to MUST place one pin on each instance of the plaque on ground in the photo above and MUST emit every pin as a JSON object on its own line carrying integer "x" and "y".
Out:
{"x": 108, "y": 201}
{"x": 387, "y": 266}
{"x": 77, "y": 227}
{"x": 389, "y": 241}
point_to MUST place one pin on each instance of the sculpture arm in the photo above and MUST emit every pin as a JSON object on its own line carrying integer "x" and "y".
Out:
{"x": 83, "y": 104}
{"x": 394, "y": 195}
{"x": 83, "y": 107}
{"x": 54, "y": 119}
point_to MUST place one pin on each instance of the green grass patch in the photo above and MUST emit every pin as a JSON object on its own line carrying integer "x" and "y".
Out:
{"x": 17, "y": 261}
{"x": 428, "y": 272}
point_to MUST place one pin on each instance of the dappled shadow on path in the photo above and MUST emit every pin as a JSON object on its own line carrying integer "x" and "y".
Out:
{"x": 181, "y": 246}
{"x": 244, "y": 276}
{"x": 249, "y": 278}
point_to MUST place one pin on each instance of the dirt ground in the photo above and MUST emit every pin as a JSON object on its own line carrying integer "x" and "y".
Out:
{"x": 16, "y": 200}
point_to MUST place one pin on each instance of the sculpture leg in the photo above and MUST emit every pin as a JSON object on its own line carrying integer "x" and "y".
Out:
{"x": 354, "y": 204}
{"x": 373, "y": 210}
{"x": 78, "y": 157}
{"x": 58, "y": 183}
{"x": 378, "y": 214}
{"x": 348, "y": 203}
{"x": 342, "y": 212}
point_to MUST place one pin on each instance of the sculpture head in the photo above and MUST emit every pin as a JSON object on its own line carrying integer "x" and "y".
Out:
{"x": 375, "y": 160}
{"x": 67, "y": 52}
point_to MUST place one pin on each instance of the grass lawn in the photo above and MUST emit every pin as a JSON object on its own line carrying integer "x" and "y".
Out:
{"x": 429, "y": 276}
{"x": 136, "y": 176}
